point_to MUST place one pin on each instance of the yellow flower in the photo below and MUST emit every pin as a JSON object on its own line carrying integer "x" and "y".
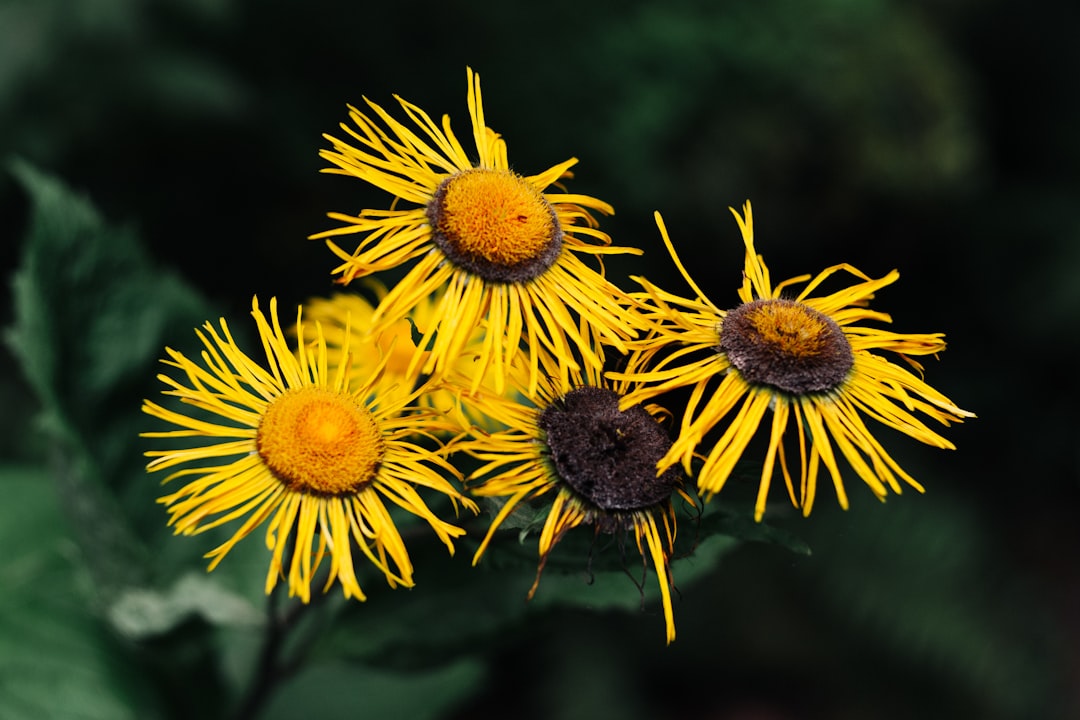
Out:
{"x": 804, "y": 358}
{"x": 597, "y": 460}
{"x": 504, "y": 250}
{"x": 297, "y": 444}
{"x": 346, "y": 319}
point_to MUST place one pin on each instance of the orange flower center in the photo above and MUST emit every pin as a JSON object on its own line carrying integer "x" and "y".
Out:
{"x": 494, "y": 224}
{"x": 790, "y": 328}
{"x": 320, "y": 442}
{"x": 787, "y": 345}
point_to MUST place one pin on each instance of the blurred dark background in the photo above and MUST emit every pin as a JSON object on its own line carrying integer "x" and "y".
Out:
{"x": 938, "y": 138}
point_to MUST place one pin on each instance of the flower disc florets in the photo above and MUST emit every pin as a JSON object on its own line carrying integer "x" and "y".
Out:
{"x": 493, "y": 224}
{"x": 607, "y": 456}
{"x": 786, "y": 345}
{"x": 319, "y": 442}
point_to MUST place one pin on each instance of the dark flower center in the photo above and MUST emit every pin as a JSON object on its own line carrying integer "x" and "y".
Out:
{"x": 786, "y": 345}
{"x": 606, "y": 455}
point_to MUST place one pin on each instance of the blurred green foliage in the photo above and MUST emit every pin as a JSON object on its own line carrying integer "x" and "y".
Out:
{"x": 934, "y": 137}
{"x": 57, "y": 659}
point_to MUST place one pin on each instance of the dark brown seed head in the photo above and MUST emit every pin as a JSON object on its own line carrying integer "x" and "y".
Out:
{"x": 606, "y": 455}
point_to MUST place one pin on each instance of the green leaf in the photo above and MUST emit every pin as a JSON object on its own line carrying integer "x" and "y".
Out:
{"x": 455, "y": 608}
{"x": 56, "y": 659}
{"x": 341, "y": 690}
{"x": 91, "y": 316}
{"x": 919, "y": 577}
{"x": 91, "y": 311}
{"x": 745, "y": 528}
{"x": 616, "y": 589}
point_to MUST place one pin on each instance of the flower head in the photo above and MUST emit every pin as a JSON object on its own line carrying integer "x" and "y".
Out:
{"x": 345, "y": 320}
{"x": 299, "y": 445}
{"x": 503, "y": 248}
{"x": 802, "y": 356}
{"x": 599, "y": 462}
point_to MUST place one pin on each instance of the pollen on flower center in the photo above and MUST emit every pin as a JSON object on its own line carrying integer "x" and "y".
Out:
{"x": 786, "y": 345}
{"x": 495, "y": 225}
{"x": 320, "y": 442}
{"x": 607, "y": 456}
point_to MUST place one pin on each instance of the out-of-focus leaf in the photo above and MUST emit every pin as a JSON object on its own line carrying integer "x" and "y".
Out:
{"x": 744, "y": 528}
{"x": 526, "y": 518}
{"x": 56, "y": 659}
{"x": 72, "y": 73}
{"x": 776, "y": 62}
{"x": 916, "y": 578}
{"x": 340, "y": 690}
{"x": 91, "y": 315}
{"x": 615, "y": 589}
{"x": 142, "y": 612}
{"x": 452, "y": 607}
{"x": 90, "y": 309}
{"x": 461, "y": 608}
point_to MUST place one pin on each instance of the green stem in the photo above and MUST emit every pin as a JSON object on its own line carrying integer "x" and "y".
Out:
{"x": 270, "y": 669}
{"x": 273, "y": 666}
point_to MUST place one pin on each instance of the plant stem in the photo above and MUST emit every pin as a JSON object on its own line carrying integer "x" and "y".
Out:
{"x": 269, "y": 670}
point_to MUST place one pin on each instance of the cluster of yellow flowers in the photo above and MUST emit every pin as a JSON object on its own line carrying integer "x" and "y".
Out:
{"x": 503, "y": 343}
